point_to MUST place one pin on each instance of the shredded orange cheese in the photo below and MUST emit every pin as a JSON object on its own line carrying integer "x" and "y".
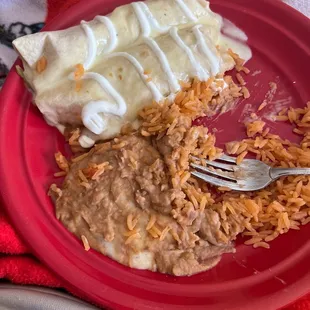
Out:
{"x": 78, "y": 73}
{"x": 62, "y": 162}
{"x": 85, "y": 243}
{"x": 41, "y": 64}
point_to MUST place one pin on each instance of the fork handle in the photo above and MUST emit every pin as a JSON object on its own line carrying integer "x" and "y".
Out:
{"x": 276, "y": 173}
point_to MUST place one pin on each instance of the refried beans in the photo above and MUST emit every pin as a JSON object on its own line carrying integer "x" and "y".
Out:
{"x": 118, "y": 200}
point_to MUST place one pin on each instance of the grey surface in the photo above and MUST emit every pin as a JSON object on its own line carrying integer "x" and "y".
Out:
{"x": 15, "y": 297}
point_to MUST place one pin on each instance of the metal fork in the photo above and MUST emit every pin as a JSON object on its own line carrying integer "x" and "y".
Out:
{"x": 250, "y": 175}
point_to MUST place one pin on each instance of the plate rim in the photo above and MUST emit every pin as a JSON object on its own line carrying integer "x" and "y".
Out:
{"x": 13, "y": 79}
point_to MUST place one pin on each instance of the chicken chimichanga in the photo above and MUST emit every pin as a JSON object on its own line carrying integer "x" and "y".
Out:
{"x": 133, "y": 56}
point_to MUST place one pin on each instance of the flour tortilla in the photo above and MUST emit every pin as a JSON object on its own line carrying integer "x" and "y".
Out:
{"x": 55, "y": 94}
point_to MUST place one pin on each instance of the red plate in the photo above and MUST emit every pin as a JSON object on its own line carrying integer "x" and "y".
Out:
{"x": 279, "y": 37}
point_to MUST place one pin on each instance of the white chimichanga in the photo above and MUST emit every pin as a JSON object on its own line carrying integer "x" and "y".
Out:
{"x": 137, "y": 54}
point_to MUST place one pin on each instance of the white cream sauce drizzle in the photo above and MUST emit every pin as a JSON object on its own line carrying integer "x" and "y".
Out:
{"x": 172, "y": 80}
{"x": 107, "y": 87}
{"x": 146, "y": 19}
{"x": 86, "y": 141}
{"x": 214, "y": 60}
{"x": 200, "y": 72}
{"x": 90, "y": 112}
{"x": 92, "y": 45}
{"x": 112, "y": 33}
{"x": 189, "y": 14}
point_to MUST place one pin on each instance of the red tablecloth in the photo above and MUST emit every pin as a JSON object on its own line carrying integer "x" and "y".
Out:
{"x": 16, "y": 262}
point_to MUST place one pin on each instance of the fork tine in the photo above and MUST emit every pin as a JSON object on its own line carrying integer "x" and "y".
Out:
{"x": 228, "y": 158}
{"x": 216, "y": 181}
{"x": 214, "y": 172}
{"x": 216, "y": 164}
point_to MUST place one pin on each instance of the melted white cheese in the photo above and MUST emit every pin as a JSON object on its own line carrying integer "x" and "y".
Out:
{"x": 200, "y": 72}
{"x": 85, "y": 141}
{"x": 142, "y": 260}
{"x": 95, "y": 112}
{"x": 157, "y": 96}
